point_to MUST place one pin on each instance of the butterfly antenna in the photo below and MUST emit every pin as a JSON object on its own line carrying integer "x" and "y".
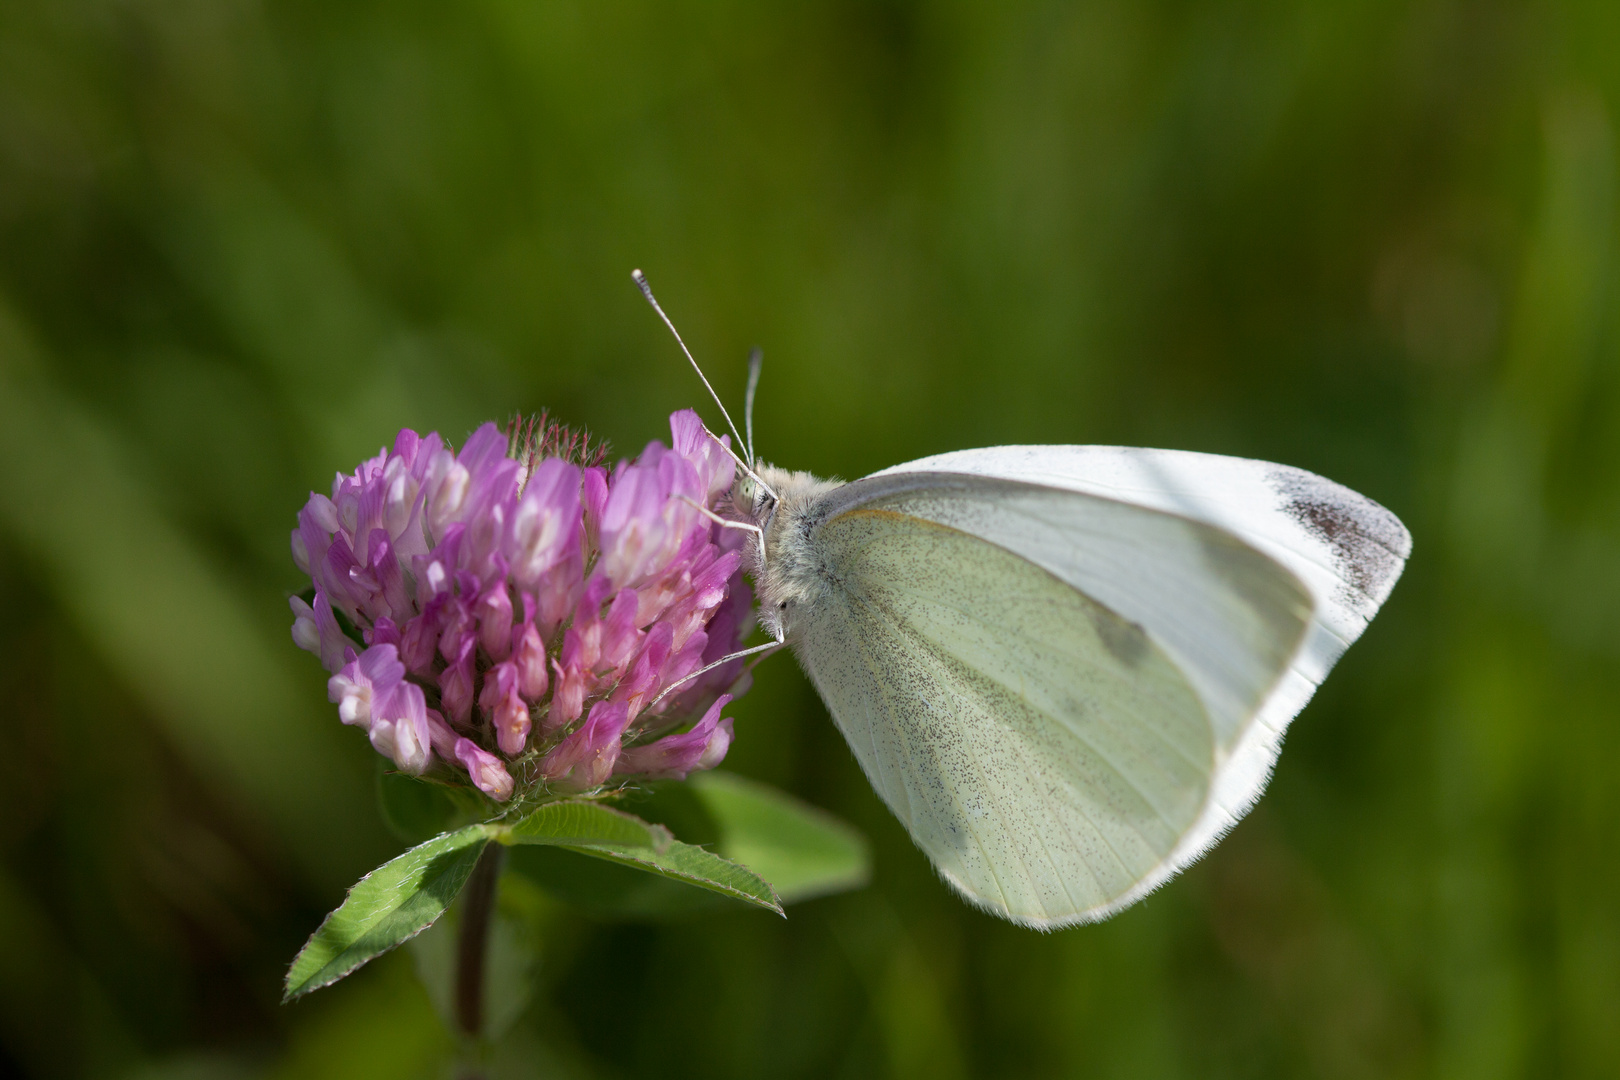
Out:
{"x": 756, "y": 359}
{"x": 646, "y": 290}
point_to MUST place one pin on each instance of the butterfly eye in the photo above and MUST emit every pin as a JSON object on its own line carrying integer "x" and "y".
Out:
{"x": 746, "y": 492}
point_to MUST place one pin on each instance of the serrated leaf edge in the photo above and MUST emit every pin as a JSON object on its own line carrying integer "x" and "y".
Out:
{"x": 289, "y": 995}
{"x": 700, "y": 883}
{"x": 663, "y": 840}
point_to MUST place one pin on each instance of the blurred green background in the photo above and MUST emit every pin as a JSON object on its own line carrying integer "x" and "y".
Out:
{"x": 241, "y": 243}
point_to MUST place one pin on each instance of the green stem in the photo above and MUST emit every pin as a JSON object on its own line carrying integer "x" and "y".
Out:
{"x": 472, "y": 946}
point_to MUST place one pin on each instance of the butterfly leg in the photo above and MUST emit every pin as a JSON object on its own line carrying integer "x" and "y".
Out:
{"x": 727, "y": 523}
{"x": 728, "y": 658}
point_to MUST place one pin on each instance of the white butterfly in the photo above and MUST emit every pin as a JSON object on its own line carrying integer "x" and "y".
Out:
{"x": 1066, "y": 669}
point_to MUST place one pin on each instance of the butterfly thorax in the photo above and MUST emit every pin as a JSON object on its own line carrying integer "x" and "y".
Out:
{"x": 790, "y": 576}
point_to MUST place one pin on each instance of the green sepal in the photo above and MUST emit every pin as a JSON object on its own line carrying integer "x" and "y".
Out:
{"x": 602, "y": 832}
{"x": 387, "y": 907}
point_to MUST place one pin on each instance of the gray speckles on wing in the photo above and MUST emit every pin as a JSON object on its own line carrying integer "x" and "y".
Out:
{"x": 1232, "y": 566}
{"x": 1044, "y": 752}
{"x": 1229, "y": 617}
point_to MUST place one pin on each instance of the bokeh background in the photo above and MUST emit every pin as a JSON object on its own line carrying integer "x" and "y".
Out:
{"x": 244, "y": 241}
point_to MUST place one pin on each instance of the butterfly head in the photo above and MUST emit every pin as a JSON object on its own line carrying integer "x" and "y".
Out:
{"x": 752, "y": 499}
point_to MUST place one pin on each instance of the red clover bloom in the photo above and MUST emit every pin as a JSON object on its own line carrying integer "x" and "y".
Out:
{"x": 521, "y": 609}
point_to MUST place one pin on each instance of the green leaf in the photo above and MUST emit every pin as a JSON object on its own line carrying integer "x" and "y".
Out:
{"x": 607, "y": 890}
{"x": 579, "y": 821}
{"x": 390, "y": 905}
{"x": 615, "y": 836}
{"x": 676, "y": 806}
{"x": 804, "y": 852}
{"x": 696, "y": 866}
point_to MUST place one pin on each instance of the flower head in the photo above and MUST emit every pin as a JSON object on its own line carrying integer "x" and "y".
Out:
{"x": 527, "y": 616}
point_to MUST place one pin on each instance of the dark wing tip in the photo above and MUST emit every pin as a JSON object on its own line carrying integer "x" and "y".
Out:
{"x": 1370, "y": 543}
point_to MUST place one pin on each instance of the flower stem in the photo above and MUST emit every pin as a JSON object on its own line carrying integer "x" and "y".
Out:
{"x": 472, "y": 947}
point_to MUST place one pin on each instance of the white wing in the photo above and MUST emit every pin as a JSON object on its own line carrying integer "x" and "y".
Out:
{"x": 1043, "y": 752}
{"x": 1185, "y": 586}
{"x": 1347, "y": 549}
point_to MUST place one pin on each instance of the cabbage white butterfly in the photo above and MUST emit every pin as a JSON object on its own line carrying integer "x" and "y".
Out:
{"x": 1066, "y": 669}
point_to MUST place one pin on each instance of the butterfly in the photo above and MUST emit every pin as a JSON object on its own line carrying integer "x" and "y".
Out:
{"x": 1067, "y": 670}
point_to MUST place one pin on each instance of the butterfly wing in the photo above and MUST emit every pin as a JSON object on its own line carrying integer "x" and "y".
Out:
{"x": 1347, "y": 549}
{"x": 1251, "y": 578}
{"x": 1044, "y": 753}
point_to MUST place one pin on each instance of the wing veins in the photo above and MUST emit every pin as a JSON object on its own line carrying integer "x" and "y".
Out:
{"x": 871, "y": 667}
{"x": 1095, "y": 557}
{"x": 1063, "y": 721}
{"x": 905, "y": 744}
{"x": 1075, "y": 805}
{"x": 1332, "y": 569}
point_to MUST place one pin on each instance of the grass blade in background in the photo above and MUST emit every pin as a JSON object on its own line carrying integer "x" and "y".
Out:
{"x": 152, "y": 605}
